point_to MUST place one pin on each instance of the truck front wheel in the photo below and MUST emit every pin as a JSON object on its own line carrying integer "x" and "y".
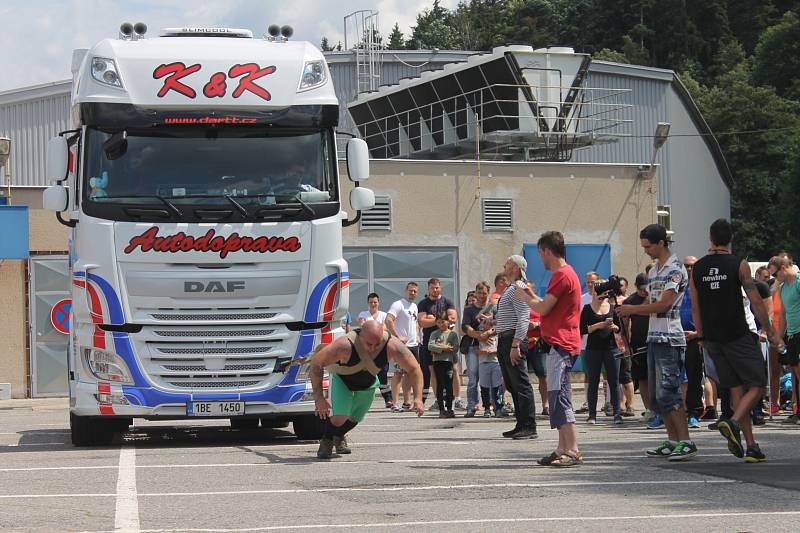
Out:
{"x": 308, "y": 427}
{"x": 91, "y": 430}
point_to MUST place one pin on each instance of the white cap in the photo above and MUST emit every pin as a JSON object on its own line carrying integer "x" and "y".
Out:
{"x": 521, "y": 262}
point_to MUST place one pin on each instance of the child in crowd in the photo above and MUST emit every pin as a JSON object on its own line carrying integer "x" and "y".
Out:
{"x": 442, "y": 345}
{"x": 490, "y": 376}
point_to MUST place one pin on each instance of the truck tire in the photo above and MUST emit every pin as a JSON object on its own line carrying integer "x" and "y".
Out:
{"x": 308, "y": 427}
{"x": 91, "y": 431}
{"x": 244, "y": 423}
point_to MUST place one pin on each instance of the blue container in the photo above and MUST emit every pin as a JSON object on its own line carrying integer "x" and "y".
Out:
{"x": 14, "y": 242}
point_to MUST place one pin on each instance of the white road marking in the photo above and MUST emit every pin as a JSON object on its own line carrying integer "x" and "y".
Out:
{"x": 126, "y": 515}
{"x": 394, "y": 488}
{"x": 304, "y": 461}
{"x": 660, "y": 517}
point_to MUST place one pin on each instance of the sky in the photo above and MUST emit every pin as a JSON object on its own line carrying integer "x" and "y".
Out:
{"x": 37, "y": 36}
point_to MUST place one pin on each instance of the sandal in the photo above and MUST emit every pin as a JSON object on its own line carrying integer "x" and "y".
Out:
{"x": 547, "y": 461}
{"x": 567, "y": 460}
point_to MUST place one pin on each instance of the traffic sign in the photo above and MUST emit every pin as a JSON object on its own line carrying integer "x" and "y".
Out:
{"x": 59, "y": 315}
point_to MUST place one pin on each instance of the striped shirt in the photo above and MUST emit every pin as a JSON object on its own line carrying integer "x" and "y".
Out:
{"x": 512, "y": 314}
{"x": 666, "y": 327}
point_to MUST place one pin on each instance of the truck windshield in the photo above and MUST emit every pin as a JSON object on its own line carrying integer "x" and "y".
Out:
{"x": 208, "y": 167}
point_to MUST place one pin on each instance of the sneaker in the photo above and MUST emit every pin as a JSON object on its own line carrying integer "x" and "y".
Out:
{"x": 583, "y": 409}
{"x": 546, "y": 411}
{"x": 792, "y": 420}
{"x": 729, "y": 429}
{"x": 693, "y": 422}
{"x": 683, "y": 451}
{"x": 325, "y": 450}
{"x": 629, "y": 412}
{"x": 397, "y": 409}
{"x": 449, "y": 414}
{"x": 525, "y": 433}
{"x": 713, "y": 426}
{"x": 618, "y": 420}
{"x": 648, "y": 416}
{"x": 389, "y": 404}
{"x": 406, "y": 407}
{"x": 510, "y": 433}
{"x": 709, "y": 414}
{"x": 754, "y": 455}
{"x": 656, "y": 423}
{"x": 470, "y": 413}
{"x": 591, "y": 421}
{"x": 459, "y": 404}
{"x": 341, "y": 445}
{"x": 608, "y": 409}
{"x": 662, "y": 450}
{"x": 501, "y": 413}
{"x": 759, "y": 421}
{"x": 442, "y": 413}
{"x": 774, "y": 410}
{"x": 434, "y": 406}
{"x": 487, "y": 414}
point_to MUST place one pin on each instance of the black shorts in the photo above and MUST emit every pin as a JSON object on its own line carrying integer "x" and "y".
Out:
{"x": 537, "y": 360}
{"x": 639, "y": 364}
{"x": 425, "y": 357}
{"x": 739, "y": 362}
{"x": 625, "y": 367}
{"x": 792, "y": 355}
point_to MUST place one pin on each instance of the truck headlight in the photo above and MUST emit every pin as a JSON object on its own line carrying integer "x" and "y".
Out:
{"x": 107, "y": 366}
{"x": 313, "y": 75}
{"x": 105, "y": 71}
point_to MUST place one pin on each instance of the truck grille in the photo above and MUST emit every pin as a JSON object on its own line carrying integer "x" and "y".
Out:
{"x": 215, "y": 333}
{"x": 182, "y": 317}
{"x": 226, "y": 358}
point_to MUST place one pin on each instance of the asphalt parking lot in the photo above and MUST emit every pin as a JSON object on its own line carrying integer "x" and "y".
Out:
{"x": 405, "y": 473}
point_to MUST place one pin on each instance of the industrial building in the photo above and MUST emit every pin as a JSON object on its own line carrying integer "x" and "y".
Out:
{"x": 461, "y": 181}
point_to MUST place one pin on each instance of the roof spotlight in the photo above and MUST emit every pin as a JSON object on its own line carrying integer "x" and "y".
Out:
{"x": 126, "y": 28}
{"x": 274, "y": 30}
{"x": 287, "y": 31}
{"x": 140, "y": 28}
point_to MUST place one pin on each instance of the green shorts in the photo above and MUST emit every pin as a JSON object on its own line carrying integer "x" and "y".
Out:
{"x": 353, "y": 404}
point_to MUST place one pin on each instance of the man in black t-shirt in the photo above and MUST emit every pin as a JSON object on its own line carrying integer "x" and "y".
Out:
{"x": 427, "y": 310}
{"x": 637, "y": 334}
{"x": 716, "y": 284}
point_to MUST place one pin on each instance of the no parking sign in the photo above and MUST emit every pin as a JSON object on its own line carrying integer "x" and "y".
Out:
{"x": 59, "y": 315}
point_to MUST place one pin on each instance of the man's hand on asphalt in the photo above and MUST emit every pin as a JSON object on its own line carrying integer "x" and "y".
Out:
{"x": 417, "y": 407}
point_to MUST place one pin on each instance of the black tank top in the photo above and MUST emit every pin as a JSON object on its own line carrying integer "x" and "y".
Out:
{"x": 364, "y": 379}
{"x": 719, "y": 293}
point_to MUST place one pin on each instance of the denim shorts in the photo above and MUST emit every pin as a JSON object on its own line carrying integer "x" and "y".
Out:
{"x": 664, "y": 365}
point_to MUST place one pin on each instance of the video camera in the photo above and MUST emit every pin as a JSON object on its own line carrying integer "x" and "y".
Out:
{"x": 612, "y": 287}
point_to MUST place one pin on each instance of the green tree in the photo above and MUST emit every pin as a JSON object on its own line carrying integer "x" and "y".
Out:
{"x": 777, "y": 57}
{"x": 760, "y": 161}
{"x": 610, "y": 55}
{"x": 396, "y": 41}
{"x": 433, "y": 30}
{"x": 324, "y": 45}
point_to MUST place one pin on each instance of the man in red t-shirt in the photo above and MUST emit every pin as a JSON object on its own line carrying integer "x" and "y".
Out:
{"x": 560, "y": 311}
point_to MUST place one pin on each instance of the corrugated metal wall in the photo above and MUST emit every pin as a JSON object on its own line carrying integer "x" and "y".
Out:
{"x": 649, "y": 98}
{"x": 30, "y": 124}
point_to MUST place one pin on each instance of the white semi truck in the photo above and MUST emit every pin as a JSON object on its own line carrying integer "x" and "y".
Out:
{"x": 202, "y": 191}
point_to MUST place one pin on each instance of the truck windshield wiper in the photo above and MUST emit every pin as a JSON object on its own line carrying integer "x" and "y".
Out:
{"x": 175, "y": 211}
{"x": 296, "y": 197}
{"x": 239, "y": 207}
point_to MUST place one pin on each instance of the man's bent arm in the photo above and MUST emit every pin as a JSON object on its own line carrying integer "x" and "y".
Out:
{"x": 698, "y": 321}
{"x": 755, "y": 298}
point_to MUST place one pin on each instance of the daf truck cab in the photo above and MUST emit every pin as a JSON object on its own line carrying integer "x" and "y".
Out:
{"x": 201, "y": 185}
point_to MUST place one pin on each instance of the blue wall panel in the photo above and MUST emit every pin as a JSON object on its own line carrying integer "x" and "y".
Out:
{"x": 14, "y": 232}
{"x": 582, "y": 257}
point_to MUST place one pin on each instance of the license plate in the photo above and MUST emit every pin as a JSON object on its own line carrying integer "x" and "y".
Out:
{"x": 215, "y": 408}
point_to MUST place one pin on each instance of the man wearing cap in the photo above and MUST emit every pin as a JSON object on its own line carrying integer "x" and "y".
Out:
{"x": 666, "y": 342}
{"x": 511, "y": 324}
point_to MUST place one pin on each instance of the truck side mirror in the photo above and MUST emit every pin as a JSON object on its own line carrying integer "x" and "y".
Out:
{"x": 55, "y": 198}
{"x": 57, "y": 159}
{"x": 362, "y": 199}
{"x": 357, "y": 160}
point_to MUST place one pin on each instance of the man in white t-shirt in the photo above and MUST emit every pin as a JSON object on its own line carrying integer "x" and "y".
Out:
{"x": 374, "y": 313}
{"x": 401, "y": 322}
